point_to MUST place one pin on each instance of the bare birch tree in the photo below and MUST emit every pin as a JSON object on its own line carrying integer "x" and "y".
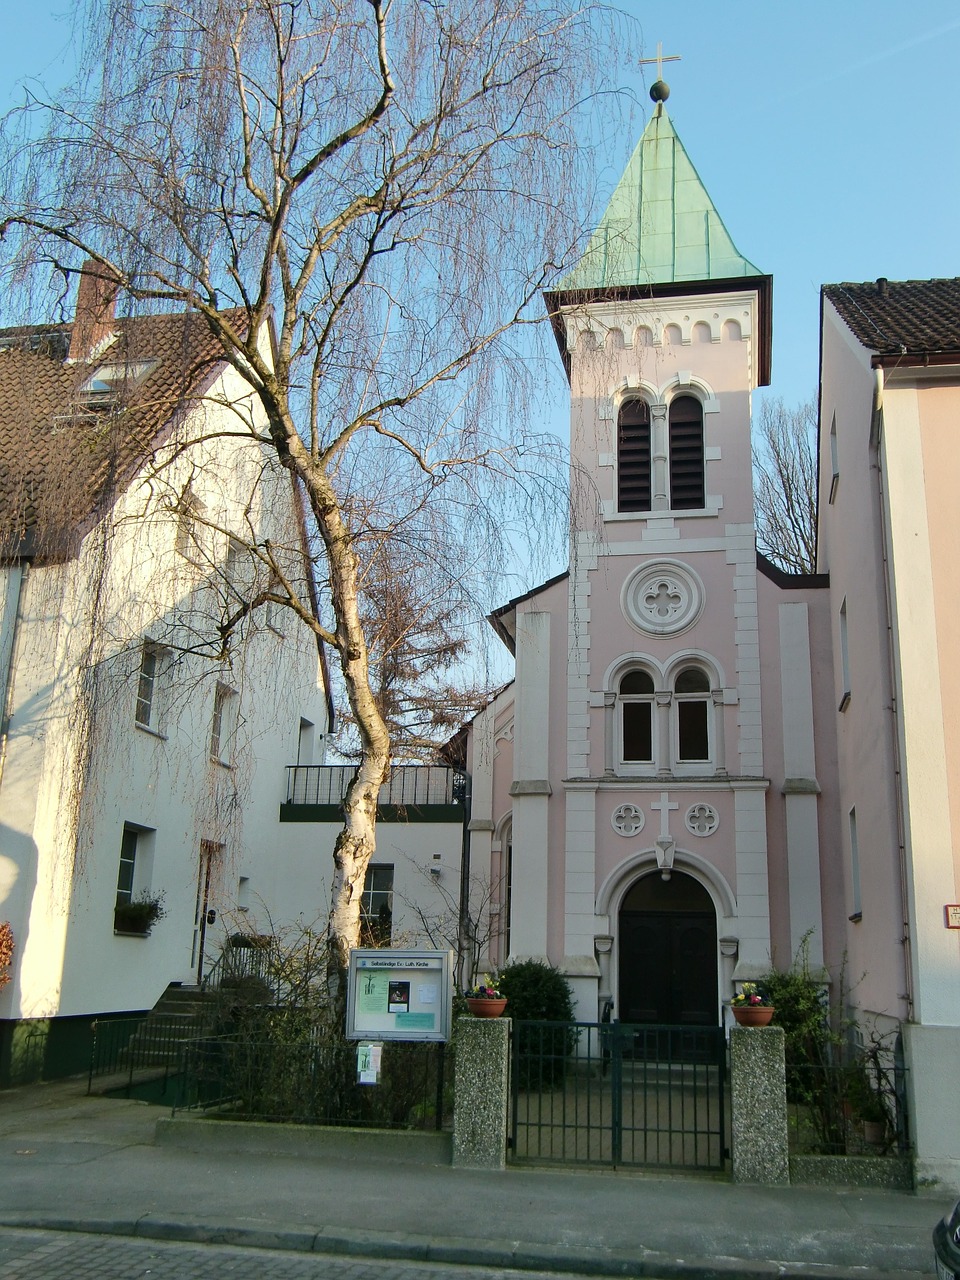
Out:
{"x": 785, "y": 484}
{"x": 385, "y": 185}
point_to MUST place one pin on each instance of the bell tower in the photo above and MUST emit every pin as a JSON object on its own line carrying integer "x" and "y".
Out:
{"x": 664, "y": 328}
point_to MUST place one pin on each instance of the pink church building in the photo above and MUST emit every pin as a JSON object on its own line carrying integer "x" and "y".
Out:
{"x": 702, "y": 762}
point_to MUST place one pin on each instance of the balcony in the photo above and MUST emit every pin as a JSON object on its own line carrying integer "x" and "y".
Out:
{"x": 412, "y": 793}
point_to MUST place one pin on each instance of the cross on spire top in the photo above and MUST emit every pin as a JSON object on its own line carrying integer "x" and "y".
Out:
{"x": 659, "y": 90}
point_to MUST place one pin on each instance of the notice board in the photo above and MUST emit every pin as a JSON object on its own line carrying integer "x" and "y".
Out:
{"x": 394, "y": 994}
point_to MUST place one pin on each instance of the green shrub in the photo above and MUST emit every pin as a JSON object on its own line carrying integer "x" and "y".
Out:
{"x": 538, "y": 993}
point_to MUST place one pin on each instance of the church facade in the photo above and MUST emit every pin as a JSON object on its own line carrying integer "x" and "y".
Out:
{"x": 658, "y": 795}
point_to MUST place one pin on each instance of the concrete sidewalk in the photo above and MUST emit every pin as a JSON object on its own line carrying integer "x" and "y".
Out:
{"x": 92, "y": 1164}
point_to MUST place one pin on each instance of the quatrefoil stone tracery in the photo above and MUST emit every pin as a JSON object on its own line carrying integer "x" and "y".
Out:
{"x": 627, "y": 820}
{"x": 702, "y": 819}
{"x": 662, "y": 598}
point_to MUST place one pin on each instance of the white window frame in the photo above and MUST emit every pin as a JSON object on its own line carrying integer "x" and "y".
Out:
{"x": 148, "y": 704}
{"x": 845, "y": 692}
{"x": 857, "y": 912}
{"x": 223, "y": 724}
{"x": 367, "y": 915}
{"x": 188, "y": 512}
{"x": 700, "y": 766}
{"x": 136, "y": 850}
{"x": 637, "y": 768}
{"x": 834, "y": 460}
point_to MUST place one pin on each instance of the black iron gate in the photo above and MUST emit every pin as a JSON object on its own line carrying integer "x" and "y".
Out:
{"x": 618, "y": 1093}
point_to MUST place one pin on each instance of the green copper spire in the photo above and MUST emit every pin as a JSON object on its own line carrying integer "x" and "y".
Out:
{"x": 660, "y": 226}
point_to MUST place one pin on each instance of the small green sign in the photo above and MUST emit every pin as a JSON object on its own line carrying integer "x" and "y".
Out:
{"x": 416, "y": 1021}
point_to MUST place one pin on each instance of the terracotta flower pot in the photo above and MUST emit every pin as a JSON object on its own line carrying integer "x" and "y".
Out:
{"x": 753, "y": 1015}
{"x": 484, "y": 1008}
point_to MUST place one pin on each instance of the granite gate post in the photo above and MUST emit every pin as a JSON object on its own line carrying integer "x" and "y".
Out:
{"x": 758, "y": 1092}
{"x": 481, "y": 1093}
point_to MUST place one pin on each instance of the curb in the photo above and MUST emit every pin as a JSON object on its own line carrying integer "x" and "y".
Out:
{"x": 404, "y": 1247}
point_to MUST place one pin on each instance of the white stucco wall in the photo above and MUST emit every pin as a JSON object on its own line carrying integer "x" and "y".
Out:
{"x": 63, "y": 808}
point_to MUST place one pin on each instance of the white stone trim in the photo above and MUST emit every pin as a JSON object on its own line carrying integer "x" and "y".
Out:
{"x": 616, "y": 885}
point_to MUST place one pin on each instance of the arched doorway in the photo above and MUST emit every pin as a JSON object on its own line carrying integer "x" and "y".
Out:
{"x": 668, "y": 953}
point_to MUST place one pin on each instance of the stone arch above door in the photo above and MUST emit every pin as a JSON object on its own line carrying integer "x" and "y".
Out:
{"x": 615, "y": 887}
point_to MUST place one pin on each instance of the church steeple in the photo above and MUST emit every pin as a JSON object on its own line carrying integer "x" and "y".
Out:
{"x": 660, "y": 227}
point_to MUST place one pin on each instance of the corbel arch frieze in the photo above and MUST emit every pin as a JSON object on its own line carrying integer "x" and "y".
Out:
{"x": 727, "y": 320}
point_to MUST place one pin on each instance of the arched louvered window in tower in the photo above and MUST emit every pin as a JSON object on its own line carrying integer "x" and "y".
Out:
{"x": 633, "y": 456}
{"x": 686, "y": 454}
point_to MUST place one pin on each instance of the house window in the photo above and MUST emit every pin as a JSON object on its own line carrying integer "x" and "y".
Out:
{"x": 692, "y": 695}
{"x": 237, "y": 565}
{"x": 636, "y": 717}
{"x": 224, "y": 726}
{"x": 135, "y": 868}
{"x": 844, "y": 658}
{"x": 152, "y": 658}
{"x": 686, "y": 454}
{"x": 834, "y": 460}
{"x": 107, "y": 388}
{"x": 633, "y": 456}
{"x": 128, "y": 865}
{"x": 855, "y": 867}
{"x": 376, "y": 906}
{"x": 189, "y": 510}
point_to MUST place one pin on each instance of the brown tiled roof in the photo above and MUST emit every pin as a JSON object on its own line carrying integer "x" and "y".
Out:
{"x": 62, "y": 465}
{"x": 909, "y": 318}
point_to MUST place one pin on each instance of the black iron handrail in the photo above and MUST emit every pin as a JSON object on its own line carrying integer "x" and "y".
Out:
{"x": 409, "y": 786}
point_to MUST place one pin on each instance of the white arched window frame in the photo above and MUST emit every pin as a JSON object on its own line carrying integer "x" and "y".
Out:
{"x": 636, "y": 722}
{"x": 634, "y": 686}
{"x": 692, "y": 717}
{"x": 686, "y": 452}
{"x": 634, "y": 456}
{"x": 686, "y": 710}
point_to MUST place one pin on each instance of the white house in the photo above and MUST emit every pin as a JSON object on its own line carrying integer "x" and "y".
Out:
{"x": 139, "y": 757}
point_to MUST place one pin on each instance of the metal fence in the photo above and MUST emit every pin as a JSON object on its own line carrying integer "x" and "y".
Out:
{"x": 247, "y": 963}
{"x": 303, "y": 1079}
{"x": 131, "y": 1048}
{"x": 408, "y": 786}
{"x": 851, "y": 1110}
{"x": 618, "y": 1094}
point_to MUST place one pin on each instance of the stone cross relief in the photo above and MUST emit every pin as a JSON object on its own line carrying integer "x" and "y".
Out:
{"x": 665, "y": 842}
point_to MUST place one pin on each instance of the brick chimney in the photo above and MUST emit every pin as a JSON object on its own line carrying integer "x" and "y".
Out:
{"x": 93, "y": 322}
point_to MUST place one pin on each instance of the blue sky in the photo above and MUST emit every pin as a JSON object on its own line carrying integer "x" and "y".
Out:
{"x": 827, "y": 134}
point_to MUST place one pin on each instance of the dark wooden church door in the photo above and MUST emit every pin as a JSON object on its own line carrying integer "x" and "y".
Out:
{"x": 668, "y": 953}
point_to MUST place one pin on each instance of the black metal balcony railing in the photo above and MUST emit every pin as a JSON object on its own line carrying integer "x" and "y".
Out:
{"x": 409, "y": 786}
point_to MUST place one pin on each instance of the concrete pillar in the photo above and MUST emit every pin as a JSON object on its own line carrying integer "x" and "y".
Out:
{"x": 800, "y": 788}
{"x": 481, "y": 1093}
{"x": 758, "y": 1094}
{"x": 531, "y": 787}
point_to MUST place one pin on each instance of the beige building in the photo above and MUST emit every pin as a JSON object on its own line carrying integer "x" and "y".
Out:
{"x": 890, "y": 541}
